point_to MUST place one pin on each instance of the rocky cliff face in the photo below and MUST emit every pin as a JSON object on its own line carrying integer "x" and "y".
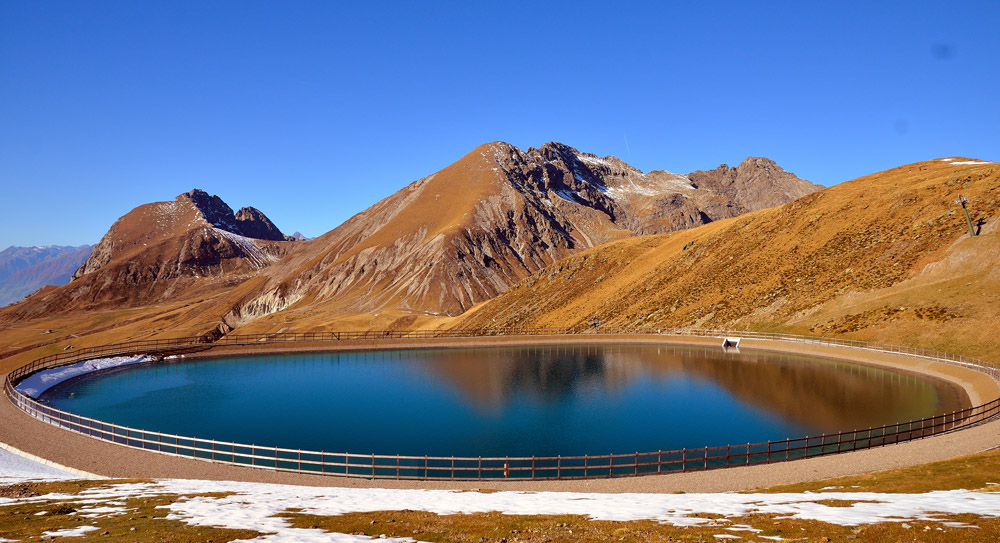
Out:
{"x": 193, "y": 234}
{"x": 467, "y": 233}
{"x": 757, "y": 183}
{"x": 252, "y": 223}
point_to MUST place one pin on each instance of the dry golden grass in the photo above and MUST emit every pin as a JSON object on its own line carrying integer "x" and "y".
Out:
{"x": 25, "y": 340}
{"x": 858, "y": 248}
{"x": 978, "y": 471}
{"x": 143, "y": 522}
{"x": 500, "y": 528}
{"x": 20, "y": 520}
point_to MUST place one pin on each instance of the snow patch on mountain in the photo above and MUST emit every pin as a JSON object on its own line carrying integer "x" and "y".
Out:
{"x": 257, "y": 256}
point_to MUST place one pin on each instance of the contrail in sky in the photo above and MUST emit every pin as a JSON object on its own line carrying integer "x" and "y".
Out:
{"x": 627, "y": 148}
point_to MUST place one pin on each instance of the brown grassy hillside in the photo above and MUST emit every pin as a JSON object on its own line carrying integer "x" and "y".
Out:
{"x": 885, "y": 256}
{"x": 463, "y": 235}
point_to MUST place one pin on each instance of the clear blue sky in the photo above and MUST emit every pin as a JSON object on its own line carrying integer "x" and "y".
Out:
{"x": 312, "y": 111}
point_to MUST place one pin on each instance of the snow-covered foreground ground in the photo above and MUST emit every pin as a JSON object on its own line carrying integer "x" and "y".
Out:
{"x": 14, "y": 469}
{"x": 259, "y": 507}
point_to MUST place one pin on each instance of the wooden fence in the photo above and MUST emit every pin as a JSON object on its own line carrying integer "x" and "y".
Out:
{"x": 375, "y": 466}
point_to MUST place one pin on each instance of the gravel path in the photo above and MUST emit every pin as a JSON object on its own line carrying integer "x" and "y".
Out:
{"x": 107, "y": 459}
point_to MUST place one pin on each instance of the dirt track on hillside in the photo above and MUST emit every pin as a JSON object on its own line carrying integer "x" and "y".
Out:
{"x": 107, "y": 459}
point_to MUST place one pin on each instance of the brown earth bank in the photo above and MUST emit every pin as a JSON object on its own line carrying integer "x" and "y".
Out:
{"x": 91, "y": 455}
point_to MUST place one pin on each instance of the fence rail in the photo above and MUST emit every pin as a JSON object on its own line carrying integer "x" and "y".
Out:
{"x": 376, "y": 466}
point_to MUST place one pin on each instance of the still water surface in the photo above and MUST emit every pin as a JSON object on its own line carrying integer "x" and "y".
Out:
{"x": 516, "y": 401}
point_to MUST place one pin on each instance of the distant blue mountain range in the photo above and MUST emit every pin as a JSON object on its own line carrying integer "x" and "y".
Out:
{"x": 23, "y": 270}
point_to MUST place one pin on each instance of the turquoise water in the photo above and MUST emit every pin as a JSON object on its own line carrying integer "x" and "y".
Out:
{"x": 566, "y": 400}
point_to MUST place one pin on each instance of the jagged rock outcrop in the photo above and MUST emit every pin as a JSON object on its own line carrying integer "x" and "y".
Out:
{"x": 757, "y": 183}
{"x": 250, "y": 222}
{"x": 201, "y": 232}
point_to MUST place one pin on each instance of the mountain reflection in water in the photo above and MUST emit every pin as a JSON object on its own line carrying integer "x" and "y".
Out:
{"x": 825, "y": 395}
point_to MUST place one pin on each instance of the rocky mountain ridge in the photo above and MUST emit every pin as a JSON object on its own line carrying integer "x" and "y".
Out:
{"x": 463, "y": 235}
{"x": 161, "y": 247}
{"x": 437, "y": 247}
{"x": 887, "y": 256}
{"x": 222, "y": 234}
{"x": 248, "y": 221}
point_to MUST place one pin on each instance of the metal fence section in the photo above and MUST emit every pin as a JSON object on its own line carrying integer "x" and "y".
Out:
{"x": 375, "y": 466}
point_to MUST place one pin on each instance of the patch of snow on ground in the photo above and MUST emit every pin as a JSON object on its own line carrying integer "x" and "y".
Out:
{"x": 102, "y": 511}
{"x": 644, "y": 190}
{"x": 947, "y": 159}
{"x": 969, "y": 162}
{"x": 17, "y": 469}
{"x": 959, "y": 525}
{"x": 71, "y": 532}
{"x": 258, "y": 506}
{"x": 677, "y": 509}
{"x": 39, "y": 382}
